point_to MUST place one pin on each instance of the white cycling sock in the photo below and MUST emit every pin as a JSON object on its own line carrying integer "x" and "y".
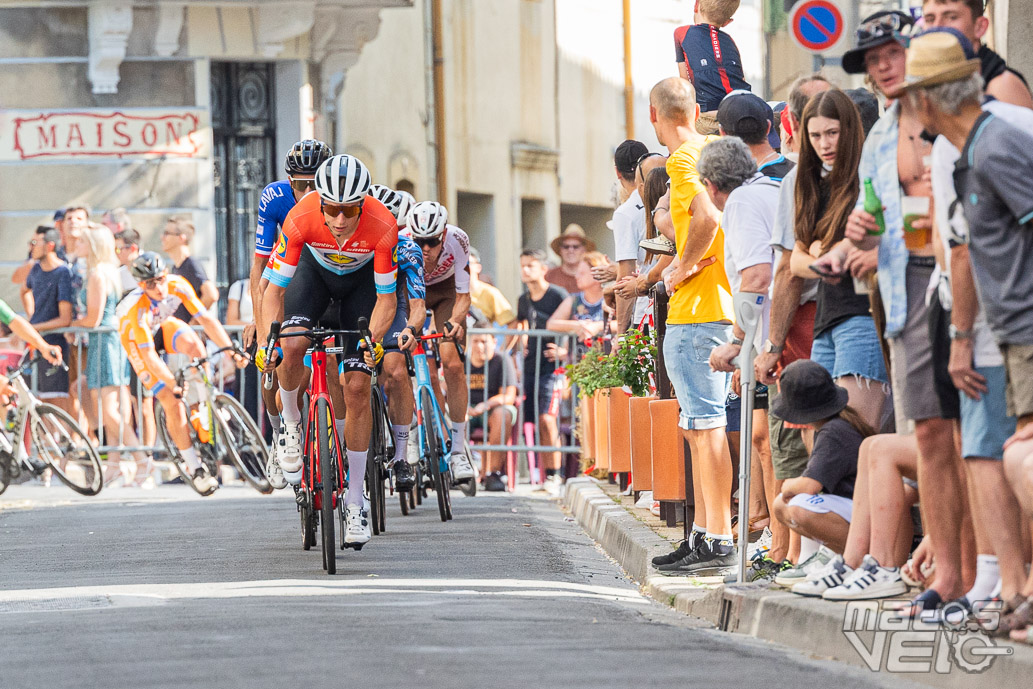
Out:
{"x": 274, "y": 421}
{"x": 339, "y": 427}
{"x": 356, "y": 477}
{"x": 401, "y": 436}
{"x": 987, "y": 575}
{"x": 291, "y": 413}
{"x": 808, "y": 546}
{"x": 190, "y": 459}
{"x": 458, "y": 436}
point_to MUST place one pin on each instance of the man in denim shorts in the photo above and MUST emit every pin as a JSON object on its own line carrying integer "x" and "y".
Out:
{"x": 699, "y": 320}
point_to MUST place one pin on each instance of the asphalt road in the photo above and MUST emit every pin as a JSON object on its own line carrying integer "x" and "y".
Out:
{"x": 163, "y": 589}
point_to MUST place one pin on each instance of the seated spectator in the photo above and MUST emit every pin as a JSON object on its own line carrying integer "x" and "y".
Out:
{"x": 493, "y": 395}
{"x": 819, "y": 503}
{"x": 709, "y": 58}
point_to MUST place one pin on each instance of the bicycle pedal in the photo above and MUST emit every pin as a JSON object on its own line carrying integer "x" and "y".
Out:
{"x": 354, "y": 546}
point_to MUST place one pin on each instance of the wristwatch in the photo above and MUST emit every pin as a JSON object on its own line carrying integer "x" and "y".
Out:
{"x": 956, "y": 334}
{"x": 737, "y": 341}
{"x": 770, "y": 348}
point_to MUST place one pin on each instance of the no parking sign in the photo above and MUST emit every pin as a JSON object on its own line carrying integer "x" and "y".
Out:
{"x": 816, "y": 25}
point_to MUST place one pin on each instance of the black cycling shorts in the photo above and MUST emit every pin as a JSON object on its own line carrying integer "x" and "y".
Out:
{"x": 310, "y": 293}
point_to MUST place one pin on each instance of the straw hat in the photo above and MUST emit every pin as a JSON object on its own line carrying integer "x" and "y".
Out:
{"x": 573, "y": 231}
{"x": 937, "y": 56}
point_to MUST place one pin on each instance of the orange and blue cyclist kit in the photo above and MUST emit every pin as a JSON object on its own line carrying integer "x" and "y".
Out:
{"x": 315, "y": 269}
{"x": 144, "y": 323}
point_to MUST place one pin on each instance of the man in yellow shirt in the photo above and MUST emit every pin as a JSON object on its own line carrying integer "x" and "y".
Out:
{"x": 700, "y": 316}
{"x": 486, "y": 298}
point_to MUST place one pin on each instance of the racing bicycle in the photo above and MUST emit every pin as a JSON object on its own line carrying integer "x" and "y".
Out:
{"x": 56, "y": 438}
{"x": 220, "y": 427}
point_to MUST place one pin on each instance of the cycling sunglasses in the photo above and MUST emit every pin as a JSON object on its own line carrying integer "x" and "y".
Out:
{"x": 301, "y": 185}
{"x": 335, "y": 209}
{"x": 889, "y": 25}
{"x": 428, "y": 243}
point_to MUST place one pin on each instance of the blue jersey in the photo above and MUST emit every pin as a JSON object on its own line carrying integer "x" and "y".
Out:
{"x": 276, "y": 202}
{"x": 410, "y": 273}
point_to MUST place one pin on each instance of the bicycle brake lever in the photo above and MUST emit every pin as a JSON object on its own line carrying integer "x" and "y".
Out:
{"x": 274, "y": 335}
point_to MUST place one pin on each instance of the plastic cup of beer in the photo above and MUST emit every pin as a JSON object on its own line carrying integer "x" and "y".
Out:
{"x": 915, "y": 208}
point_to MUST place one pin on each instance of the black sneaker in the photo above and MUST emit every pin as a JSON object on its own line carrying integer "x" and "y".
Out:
{"x": 404, "y": 478}
{"x": 686, "y": 547}
{"x": 493, "y": 483}
{"x": 708, "y": 559}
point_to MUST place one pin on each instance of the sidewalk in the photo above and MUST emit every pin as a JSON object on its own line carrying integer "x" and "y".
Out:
{"x": 634, "y": 536}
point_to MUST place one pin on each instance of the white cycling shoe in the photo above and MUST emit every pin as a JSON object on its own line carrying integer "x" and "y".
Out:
{"x": 461, "y": 467}
{"x": 288, "y": 452}
{"x": 357, "y": 531}
{"x": 274, "y": 473}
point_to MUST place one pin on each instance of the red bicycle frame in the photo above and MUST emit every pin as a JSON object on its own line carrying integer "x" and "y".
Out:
{"x": 317, "y": 390}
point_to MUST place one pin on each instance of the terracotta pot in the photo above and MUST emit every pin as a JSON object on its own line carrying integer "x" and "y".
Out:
{"x": 620, "y": 431}
{"x": 668, "y": 451}
{"x": 602, "y": 425}
{"x": 587, "y": 410}
{"x": 641, "y": 443}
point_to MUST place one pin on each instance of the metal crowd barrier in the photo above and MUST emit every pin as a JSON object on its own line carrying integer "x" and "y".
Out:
{"x": 246, "y": 384}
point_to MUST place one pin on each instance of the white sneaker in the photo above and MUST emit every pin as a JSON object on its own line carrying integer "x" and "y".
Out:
{"x": 645, "y": 500}
{"x": 357, "y": 532}
{"x": 870, "y": 581}
{"x": 554, "y": 485}
{"x": 274, "y": 473}
{"x": 821, "y": 580}
{"x": 461, "y": 467}
{"x": 288, "y": 452}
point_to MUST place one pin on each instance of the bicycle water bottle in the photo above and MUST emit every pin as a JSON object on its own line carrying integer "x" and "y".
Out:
{"x": 873, "y": 206}
{"x": 200, "y": 423}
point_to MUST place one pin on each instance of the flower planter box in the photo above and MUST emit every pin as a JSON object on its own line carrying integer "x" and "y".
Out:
{"x": 641, "y": 443}
{"x": 668, "y": 451}
{"x": 587, "y": 407}
{"x": 620, "y": 431}
{"x": 602, "y": 426}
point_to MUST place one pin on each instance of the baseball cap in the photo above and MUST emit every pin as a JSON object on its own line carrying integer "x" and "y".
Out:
{"x": 745, "y": 114}
{"x": 59, "y": 214}
{"x": 627, "y": 155}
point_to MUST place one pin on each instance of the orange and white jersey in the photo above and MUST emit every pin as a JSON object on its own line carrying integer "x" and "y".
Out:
{"x": 139, "y": 315}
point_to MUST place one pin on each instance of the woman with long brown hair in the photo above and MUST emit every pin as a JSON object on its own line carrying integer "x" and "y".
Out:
{"x": 845, "y": 339}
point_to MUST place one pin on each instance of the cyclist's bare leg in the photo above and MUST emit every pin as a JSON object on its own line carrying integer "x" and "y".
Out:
{"x": 292, "y": 374}
{"x": 175, "y": 418}
{"x": 359, "y": 422}
{"x": 400, "y": 401}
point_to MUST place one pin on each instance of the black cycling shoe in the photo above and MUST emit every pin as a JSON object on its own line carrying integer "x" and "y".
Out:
{"x": 686, "y": 547}
{"x": 405, "y": 480}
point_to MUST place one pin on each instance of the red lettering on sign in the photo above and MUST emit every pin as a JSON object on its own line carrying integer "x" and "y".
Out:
{"x": 112, "y": 134}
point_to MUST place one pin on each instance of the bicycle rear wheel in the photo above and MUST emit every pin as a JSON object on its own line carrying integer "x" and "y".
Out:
{"x": 242, "y": 441}
{"x": 5, "y": 471}
{"x": 62, "y": 444}
{"x": 327, "y": 484}
{"x": 175, "y": 456}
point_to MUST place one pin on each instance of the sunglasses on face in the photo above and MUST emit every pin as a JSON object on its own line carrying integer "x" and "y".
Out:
{"x": 154, "y": 282}
{"x": 644, "y": 157}
{"x": 333, "y": 210}
{"x": 429, "y": 243}
{"x": 301, "y": 185}
{"x": 571, "y": 247}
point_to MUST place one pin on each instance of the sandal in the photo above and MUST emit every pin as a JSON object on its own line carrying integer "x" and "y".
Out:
{"x": 927, "y": 601}
{"x": 1020, "y": 617}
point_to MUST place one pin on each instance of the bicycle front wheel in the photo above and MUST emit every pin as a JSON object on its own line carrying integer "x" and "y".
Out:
{"x": 242, "y": 441}
{"x": 327, "y": 484}
{"x": 59, "y": 442}
{"x": 434, "y": 452}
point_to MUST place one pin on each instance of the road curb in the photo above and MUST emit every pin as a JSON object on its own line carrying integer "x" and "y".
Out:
{"x": 810, "y": 625}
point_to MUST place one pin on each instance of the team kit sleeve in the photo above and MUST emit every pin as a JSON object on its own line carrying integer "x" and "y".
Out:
{"x": 283, "y": 262}
{"x": 385, "y": 261}
{"x": 410, "y": 260}
{"x": 268, "y": 227}
{"x": 181, "y": 289}
{"x": 463, "y": 263}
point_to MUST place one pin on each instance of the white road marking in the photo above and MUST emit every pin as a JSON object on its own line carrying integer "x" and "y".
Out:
{"x": 144, "y": 594}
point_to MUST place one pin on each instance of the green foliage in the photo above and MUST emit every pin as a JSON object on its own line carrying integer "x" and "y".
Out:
{"x": 629, "y": 365}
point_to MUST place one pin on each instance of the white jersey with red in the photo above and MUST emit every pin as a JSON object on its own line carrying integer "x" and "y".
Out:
{"x": 454, "y": 260}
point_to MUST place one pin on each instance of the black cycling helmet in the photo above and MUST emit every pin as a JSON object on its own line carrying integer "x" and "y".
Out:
{"x": 306, "y": 156}
{"x": 148, "y": 265}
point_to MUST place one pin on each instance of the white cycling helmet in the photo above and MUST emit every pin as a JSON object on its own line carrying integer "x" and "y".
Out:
{"x": 405, "y": 203}
{"x": 427, "y": 220}
{"x": 387, "y": 196}
{"x": 343, "y": 179}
